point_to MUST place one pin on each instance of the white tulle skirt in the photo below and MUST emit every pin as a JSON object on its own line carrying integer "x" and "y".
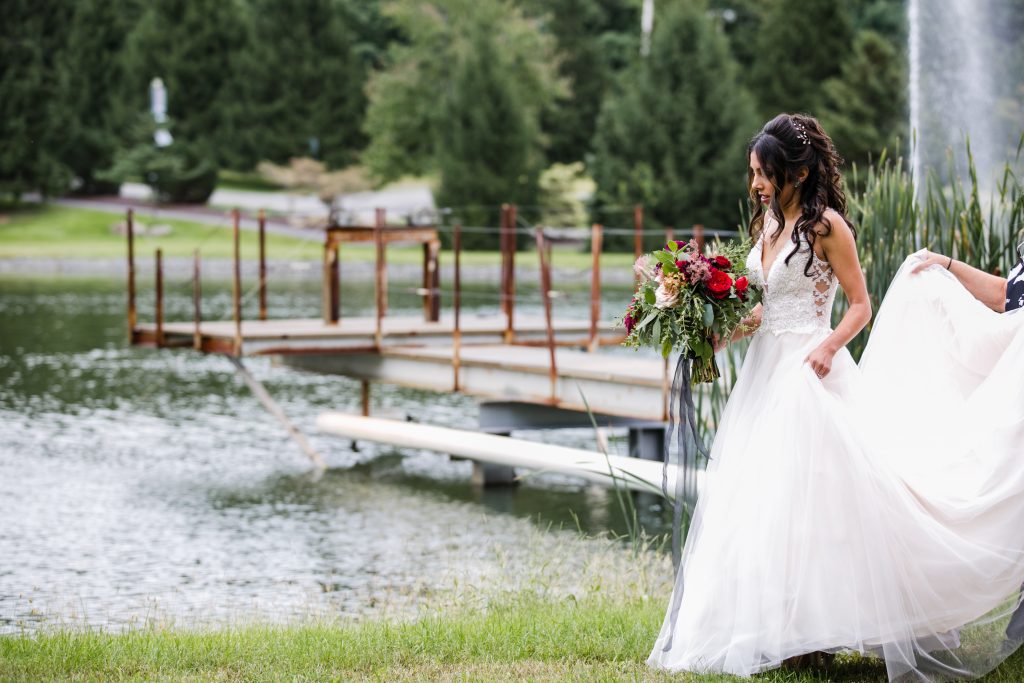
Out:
{"x": 880, "y": 510}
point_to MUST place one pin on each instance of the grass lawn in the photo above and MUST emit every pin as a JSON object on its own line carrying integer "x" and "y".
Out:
{"x": 62, "y": 232}
{"x": 524, "y": 638}
{"x": 520, "y": 638}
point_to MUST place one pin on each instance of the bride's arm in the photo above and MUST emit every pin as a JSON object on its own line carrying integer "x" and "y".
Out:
{"x": 841, "y": 252}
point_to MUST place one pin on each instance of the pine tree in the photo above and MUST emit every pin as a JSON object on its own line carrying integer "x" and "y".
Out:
{"x": 405, "y": 113}
{"x": 487, "y": 144}
{"x": 32, "y": 116}
{"x": 587, "y": 60}
{"x": 91, "y": 73}
{"x": 193, "y": 46}
{"x": 864, "y": 108}
{"x": 673, "y": 136}
{"x": 300, "y": 86}
{"x": 800, "y": 45}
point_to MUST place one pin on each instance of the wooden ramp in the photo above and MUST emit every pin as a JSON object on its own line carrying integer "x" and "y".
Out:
{"x": 611, "y": 383}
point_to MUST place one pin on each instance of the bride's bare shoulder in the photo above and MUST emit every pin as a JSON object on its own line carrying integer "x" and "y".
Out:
{"x": 832, "y": 224}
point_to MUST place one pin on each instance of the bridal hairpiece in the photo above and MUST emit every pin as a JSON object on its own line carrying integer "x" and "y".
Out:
{"x": 801, "y": 132}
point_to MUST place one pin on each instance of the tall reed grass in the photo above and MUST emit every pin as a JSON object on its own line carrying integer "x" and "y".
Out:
{"x": 895, "y": 218}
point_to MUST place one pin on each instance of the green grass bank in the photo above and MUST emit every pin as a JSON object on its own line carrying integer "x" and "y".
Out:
{"x": 522, "y": 638}
{"x": 59, "y": 232}
{"x": 526, "y": 638}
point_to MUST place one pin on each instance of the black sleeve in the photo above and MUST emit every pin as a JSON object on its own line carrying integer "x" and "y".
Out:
{"x": 1015, "y": 287}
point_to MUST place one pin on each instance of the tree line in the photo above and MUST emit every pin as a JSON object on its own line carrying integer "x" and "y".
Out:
{"x": 482, "y": 94}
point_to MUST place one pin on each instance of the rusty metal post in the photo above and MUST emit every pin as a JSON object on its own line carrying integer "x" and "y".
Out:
{"x": 197, "y": 293}
{"x": 132, "y": 312}
{"x": 236, "y": 284}
{"x": 510, "y": 331}
{"x": 364, "y": 396}
{"x": 457, "y": 305}
{"x": 638, "y": 231}
{"x": 503, "y": 247}
{"x": 698, "y": 234}
{"x": 426, "y": 282}
{"x": 330, "y": 287}
{"x": 545, "y": 292}
{"x": 431, "y": 281}
{"x": 159, "y": 298}
{"x": 503, "y": 235}
{"x": 380, "y": 278}
{"x": 335, "y": 283}
{"x": 596, "y": 240}
{"x": 508, "y": 268}
{"x": 263, "y": 265}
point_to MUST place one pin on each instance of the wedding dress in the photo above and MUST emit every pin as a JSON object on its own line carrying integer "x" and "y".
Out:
{"x": 878, "y": 510}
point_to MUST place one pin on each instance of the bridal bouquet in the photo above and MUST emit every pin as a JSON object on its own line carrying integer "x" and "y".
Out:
{"x": 685, "y": 297}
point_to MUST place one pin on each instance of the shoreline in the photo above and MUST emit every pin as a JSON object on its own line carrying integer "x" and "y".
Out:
{"x": 294, "y": 271}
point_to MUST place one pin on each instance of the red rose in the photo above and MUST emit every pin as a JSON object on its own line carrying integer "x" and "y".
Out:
{"x": 719, "y": 284}
{"x": 741, "y": 284}
{"x": 722, "y": 262}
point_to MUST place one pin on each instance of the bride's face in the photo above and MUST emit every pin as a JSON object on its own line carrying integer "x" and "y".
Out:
{"x": 763, "y": 186}
{"x": 760, "y": 184}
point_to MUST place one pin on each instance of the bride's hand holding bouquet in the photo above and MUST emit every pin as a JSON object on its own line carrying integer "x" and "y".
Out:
{"x": 687, "y": 302}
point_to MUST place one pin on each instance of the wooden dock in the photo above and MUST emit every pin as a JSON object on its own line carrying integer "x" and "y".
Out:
{"x": 352, "y": 335}
{"x": 607, "y": 384}
{"x": 552, "y": 368}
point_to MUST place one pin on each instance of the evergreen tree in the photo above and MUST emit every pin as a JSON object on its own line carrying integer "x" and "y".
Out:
{"x": 864, "y": 108}
{"x": 91, "y": 73}
{"x": 589, "y": 53}
{"x": 32, "y": 116}
{"x": 741, "y": 20}
{"x": 673, "y": 136}
{"x": 300, "y": 86}
{"x": 373, "y": 31}
{"x": 193, "y": 45}
{"x": 800, "y": 45}
{"x": 405, "y": 113}
{"x": 486, "y": 156}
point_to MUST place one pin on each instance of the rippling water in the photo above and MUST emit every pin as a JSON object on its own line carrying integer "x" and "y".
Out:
{"x": 139, "y": 485}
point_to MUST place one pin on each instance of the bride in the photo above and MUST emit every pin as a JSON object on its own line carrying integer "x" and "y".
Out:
{"x": 877, "y": 508}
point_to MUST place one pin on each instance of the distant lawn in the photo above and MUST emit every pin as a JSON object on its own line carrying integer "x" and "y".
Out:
{"x": 62, "y": 232}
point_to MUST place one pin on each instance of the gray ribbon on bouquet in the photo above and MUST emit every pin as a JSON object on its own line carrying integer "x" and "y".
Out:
{"x": 687, "y": 459}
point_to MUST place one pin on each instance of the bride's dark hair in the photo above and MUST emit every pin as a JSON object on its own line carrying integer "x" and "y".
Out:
{"x": 786, "y": 144}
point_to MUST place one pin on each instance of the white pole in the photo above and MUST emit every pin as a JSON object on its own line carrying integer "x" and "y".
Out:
{"x": 646, "y": 27}
{"x": 631, "y": 473}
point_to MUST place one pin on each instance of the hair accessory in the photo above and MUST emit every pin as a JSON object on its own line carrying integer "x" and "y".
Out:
{"x": 801, "y": 132}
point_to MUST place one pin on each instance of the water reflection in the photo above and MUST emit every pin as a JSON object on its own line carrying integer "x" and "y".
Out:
{"x": 138, "y": 485}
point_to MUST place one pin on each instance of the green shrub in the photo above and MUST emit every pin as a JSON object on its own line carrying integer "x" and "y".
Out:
{"x": 181, "y": 173}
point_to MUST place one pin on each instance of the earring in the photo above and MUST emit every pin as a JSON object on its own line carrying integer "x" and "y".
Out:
{"x": 796, "y": 184}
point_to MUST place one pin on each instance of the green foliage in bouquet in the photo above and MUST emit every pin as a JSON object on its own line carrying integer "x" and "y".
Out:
{"x": 685, "y": 299}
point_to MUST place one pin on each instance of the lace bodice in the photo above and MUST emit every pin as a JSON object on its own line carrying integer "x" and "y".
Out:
{"x": 792, "y": 301}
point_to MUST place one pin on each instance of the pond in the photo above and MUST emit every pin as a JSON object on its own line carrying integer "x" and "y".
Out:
{"x": 138, "y": 485}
